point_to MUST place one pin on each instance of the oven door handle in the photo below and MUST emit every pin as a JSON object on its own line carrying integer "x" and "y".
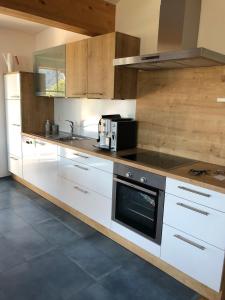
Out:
{"x": 135, "y": 186}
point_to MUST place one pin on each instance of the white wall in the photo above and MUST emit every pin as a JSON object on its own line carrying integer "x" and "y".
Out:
{"x": 87, "y": 112}
{"x": 212, "y": 26}
{"x": 52, "y": 37}
{"x": 22, "y": 45}
{"x": 141, "y": 18}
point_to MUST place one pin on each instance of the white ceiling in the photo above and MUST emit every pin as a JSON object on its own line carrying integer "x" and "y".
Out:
{"x": 12, "y": 23}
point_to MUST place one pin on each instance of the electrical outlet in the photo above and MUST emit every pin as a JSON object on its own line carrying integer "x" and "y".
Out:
{"x": 221, "y": 100}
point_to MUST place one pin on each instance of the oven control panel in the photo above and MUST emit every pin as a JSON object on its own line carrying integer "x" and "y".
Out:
{"x": 137, "y": 175}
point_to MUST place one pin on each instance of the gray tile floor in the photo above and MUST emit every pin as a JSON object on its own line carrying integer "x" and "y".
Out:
{"x": 46, "y": 254}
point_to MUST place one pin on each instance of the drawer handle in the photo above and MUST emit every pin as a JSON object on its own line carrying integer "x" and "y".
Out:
{"x": 202, "y": 212}
{"x": 17, "y": 125}
{"x": 194, "y": 192}
{"x": 80, "y": 190}
{"x": 82, "y": 168}
{"x": 81, "y": 155}
{"x": 14, "y": 158}
{"x": 183, "y": 239}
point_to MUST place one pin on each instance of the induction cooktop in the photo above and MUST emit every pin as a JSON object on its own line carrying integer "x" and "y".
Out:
{"x": 158, "y": 159}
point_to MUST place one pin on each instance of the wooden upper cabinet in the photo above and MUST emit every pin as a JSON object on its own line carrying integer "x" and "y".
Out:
{"x": 104, "y": 80}
{"x": 76, "y": 69}
{"x": 90, "y": 72}
{"x": 101, "y": 52}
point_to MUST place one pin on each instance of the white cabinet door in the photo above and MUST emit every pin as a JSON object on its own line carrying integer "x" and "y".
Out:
{"x": 12, "y": 86}
{"x": 13, "y": 124}
{"x": 47, "y": 167}
{"x": 14, "y": 140}
{"x": 30, "y": 161}
{"x": 13, "y": 112}
{"x": 15, "y": 165}
{"x": 194, "y": 257}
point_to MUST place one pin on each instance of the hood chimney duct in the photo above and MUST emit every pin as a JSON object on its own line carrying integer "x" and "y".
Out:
{"x": 178, "y": 24}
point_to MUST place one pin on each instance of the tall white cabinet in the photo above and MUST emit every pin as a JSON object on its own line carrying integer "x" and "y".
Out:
{"x": 12, "y": 85}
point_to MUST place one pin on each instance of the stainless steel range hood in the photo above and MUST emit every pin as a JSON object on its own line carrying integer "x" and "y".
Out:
{"x": 177, "y": 40}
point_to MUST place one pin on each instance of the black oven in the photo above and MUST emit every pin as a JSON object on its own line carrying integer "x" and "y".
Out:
{"x": 138, "y": 201}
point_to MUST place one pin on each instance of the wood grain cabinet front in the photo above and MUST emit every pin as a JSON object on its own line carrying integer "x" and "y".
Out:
{"x": 76, "y": 69}
{"x": 90, "y": 71}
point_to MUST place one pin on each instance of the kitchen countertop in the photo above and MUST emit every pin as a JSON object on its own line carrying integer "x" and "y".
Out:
{"x": 179, "y": 173}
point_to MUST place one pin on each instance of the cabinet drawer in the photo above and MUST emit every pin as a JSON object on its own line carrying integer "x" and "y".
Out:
{"x": 99, "y": 163}
{"x": 86, "y": 201}
{"x": 197, "y": 220}
{"x": 197, "y": 259}
{"x": 96, "y": 180}
{"x": 15, "y": 165}
{"x": 196, "y": 194}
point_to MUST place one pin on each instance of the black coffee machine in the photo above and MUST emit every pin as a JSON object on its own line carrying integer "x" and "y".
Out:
{"x": 116, "y": 133}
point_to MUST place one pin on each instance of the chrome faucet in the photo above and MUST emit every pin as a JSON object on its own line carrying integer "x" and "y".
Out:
{"x": 71, "y": 127}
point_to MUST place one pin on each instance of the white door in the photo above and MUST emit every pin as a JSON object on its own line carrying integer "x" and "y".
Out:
{"x": 30, "y": 161}
{"x": 47, "y": 167}
{"x": 13, "y": 112}
{"x": 14, "y": 140}
{"x": 12, "y": 86}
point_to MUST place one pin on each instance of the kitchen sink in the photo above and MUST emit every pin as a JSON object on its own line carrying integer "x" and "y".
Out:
{"x": 73, "y": 138}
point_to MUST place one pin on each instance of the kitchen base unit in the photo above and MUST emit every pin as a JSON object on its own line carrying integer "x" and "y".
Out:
{"x": 200, "y": 288}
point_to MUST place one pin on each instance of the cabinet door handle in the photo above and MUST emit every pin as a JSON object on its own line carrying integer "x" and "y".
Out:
{"x": 98, "y": 95}
{"x": 82, "y": 168}
{"x": 13, "y": 158}
{"x": 17, "y": 125}
{"x": 40, "y": 143}
{"x": 79, "y": 95}
{"x": 14, "y": 96}
{"x": 183, "y": 239}
{"x": 81, "y": 155}
{"x": 202, "y": 212}
{"x": 80, "y": 190}
{"x": 194, "y": 192}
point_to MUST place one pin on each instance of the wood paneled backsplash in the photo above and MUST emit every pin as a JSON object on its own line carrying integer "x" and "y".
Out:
{"x": 178, "y": 113}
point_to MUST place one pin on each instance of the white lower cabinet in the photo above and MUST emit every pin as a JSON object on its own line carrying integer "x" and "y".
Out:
{"x": 40, "y": 166}
{"x": 84, "y": 200}
{"x": 95, "y": 179}
{"x": 30, "y": 160}
{"x": 192, "y": 256}
{"x": 199, "y": 221}
{"x": 136, "y": 238}
{"x": 47, "y": 167}
{"x": 15, "y": 165}
{"x": 93, "y": 161}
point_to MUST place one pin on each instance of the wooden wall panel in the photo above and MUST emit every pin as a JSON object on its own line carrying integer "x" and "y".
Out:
{"x": 178, "y": 113}
{"x": 35, "y": 110}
